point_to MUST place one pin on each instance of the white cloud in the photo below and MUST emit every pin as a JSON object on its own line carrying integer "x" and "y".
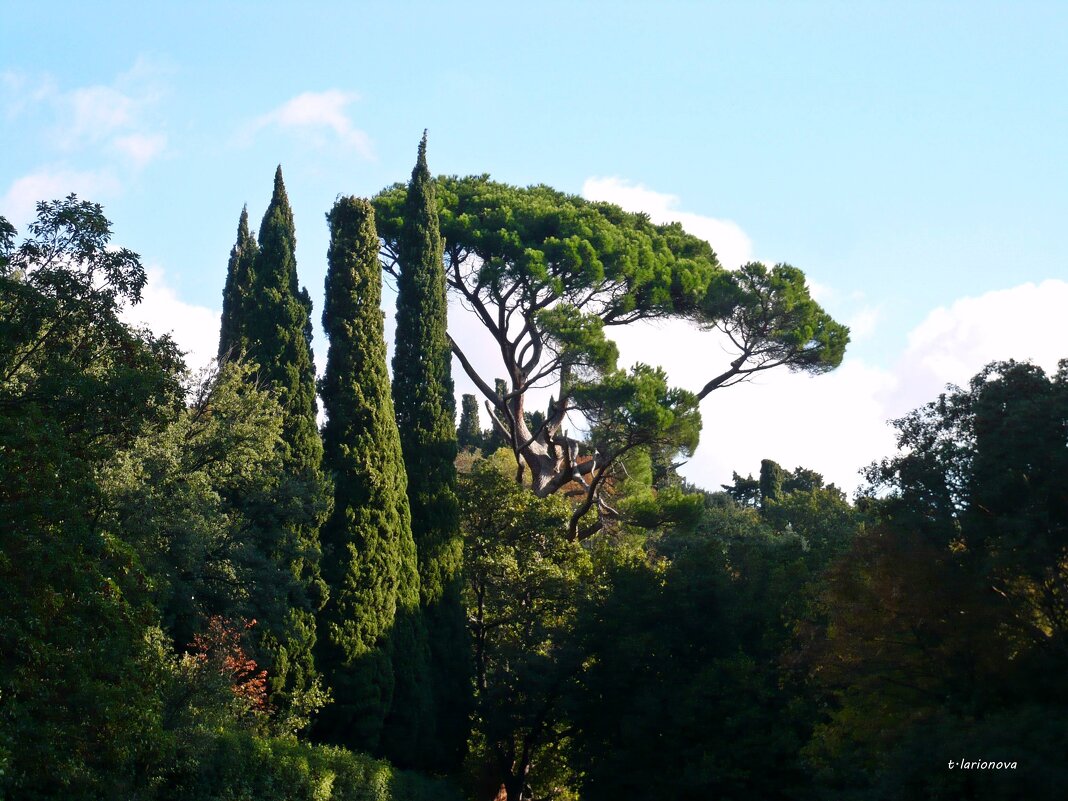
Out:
{"x": 93, "y": 113}
{"x": 862, "y": 323}
{"x": 953, "y": 343}
{"x": 730, "y": 242}
{"x": 194, "y": 328}
{"x": 140, "y": 149}
{"x": 20, "y": 201}
{"x": 314, "y": 112}
{"x": 102, "y": 119}
{"x": 21, "y": 91}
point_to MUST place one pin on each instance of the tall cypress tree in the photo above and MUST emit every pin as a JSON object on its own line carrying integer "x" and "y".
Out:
{"x": 279, "y": 330}
{"x": 425, "y": 404}
{"x": 233, "y": 340}
{"x": 271, "y": 324}
{"x": 469, "y": 433}
{"x": 370, "y": 647}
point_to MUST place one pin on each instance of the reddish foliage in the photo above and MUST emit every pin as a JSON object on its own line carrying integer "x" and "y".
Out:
{"x": 221, "y": 646}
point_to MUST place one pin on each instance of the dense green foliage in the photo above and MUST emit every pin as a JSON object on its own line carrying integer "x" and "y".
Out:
{"x": 372, "y": 643}
{"x": 524, "y": 580}
{"x": 239, "y": 767}
{"x": 945, "y": 627}
{"x": 425, "y": 405}
{"x": 684, "y": 663}
{"x": 205, "y": 500}
{"x": 628, "y": 635}
{"x": 78, "y": 711}
{"x": 139, "y": 545}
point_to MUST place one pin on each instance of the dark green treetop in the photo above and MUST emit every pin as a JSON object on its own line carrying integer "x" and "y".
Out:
{"x": 369, "y": 557}
{"x": 469, "y": 433}
{"x": 772, "y": 477}
{"x": 233, "y": 339}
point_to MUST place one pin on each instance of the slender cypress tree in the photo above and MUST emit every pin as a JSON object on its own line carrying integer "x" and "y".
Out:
{"x": 469, "y": 433}
{"x": 233, "y": 340}
{"x": 235, "y": 295}
{"x": 772, "y": 477}
{"x": 370, "y": 646}
{"x": 279, "y": 330}
{"x": 424, "y": 399}
{"x": 271, "y": 323}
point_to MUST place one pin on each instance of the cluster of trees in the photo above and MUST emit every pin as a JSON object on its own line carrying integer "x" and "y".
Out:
{"x": 205, "y": 594}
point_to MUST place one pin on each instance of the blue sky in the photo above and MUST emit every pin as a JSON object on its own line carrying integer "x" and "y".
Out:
{"x": 911, "y": 158}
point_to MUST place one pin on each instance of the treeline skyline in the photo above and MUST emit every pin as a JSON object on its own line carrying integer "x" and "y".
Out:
{"x": 214, "y": 597}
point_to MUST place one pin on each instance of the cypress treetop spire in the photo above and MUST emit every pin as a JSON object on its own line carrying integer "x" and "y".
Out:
{"x": 420, "y": 160}
{"x": 233, "y": 335}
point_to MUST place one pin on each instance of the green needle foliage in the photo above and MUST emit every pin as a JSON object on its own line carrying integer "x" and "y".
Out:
{"x": 372, "y": 647}
{"x": 233, "y": 340}
{"x": 267, "y": 320}
{"x": 424, "y": 401}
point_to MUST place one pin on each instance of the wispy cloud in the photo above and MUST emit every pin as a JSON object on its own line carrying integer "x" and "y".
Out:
{"x": 862, "y": 323}
{"x": 93, "y": 114}
{"x": 140, "y": 148}
{"x": 19, "y": 203}
{"x": 315, "y": 114}
{"x": 96, "y": 120}
{"x": 730, "y": 242}
{"x": 21, "y": 91}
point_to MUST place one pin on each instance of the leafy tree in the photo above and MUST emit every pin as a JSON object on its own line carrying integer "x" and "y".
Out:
{"x": 79, "y": 715}
{"x": 625, "y": 412}
{"x": 981, "y": 473}
{"x": 826, "y": 522}
{"x": 233, "y": 338}
{"x": 204, "y": 501}
{"x": 547, "y": 274}
{"x": 744, "y": 491}
{"x": 372, "y": 650}
{"x": 469, "y": 433}
{"x": 425, "y": 405}
{"x": 682, "y": 695}
{"x": 524, "y": 580}
{"x": 268, "y": 317}
{"x": 943, "y": 624}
